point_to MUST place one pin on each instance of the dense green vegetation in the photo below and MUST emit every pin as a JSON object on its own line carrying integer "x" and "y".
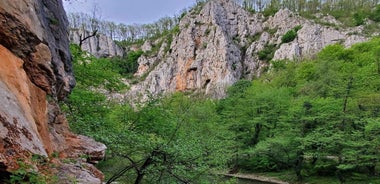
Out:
{"x": 312, "y": 119}
{"x": 172, "y": 139}
{"x": 127, "y": 65}
{"x": 318, "y": 118}
{"x": 290, "y": 35}
{"x": 349, "y": 12}
{"x": 267, "y": 53}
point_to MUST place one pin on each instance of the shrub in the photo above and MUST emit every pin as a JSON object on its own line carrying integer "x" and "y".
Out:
{"x": 270, "y": 11}
{"x": 289, "y": 36}
{"x": 376, "y": 15}
{"x": 358, "y": 19}
{"x": 297, "y": 28}
{"x": 267, "y": 53}
{"x": 128, "y": 65}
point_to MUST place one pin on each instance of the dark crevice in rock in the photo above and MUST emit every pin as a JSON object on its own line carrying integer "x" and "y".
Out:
{"x": 206, "y": 83}
{"x": 4, "y": 175}
{"x": 192, "y": 69}
{"x": 243, "y": 58}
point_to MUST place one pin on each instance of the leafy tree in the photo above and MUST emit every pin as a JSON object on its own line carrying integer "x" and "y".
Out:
{"x": 173, "y": 139}
{"x": 128, "y": 65}
{"x": 316, "y": 117}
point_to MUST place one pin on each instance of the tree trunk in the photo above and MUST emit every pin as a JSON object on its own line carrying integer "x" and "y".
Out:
{"x": 299, "y": 165}
{"x": 141, "y": 171}
{"x": 139, "y": 178}
{"x": 85, "y": 38}
{"x": 348, "y": 89}
{"x": 255, "y": 138}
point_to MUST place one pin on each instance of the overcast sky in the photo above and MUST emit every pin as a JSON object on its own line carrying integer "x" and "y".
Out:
{"x": 130, "y": 11}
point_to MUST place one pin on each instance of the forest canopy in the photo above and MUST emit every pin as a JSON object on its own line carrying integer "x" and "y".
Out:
{"x": 308, "y": 118}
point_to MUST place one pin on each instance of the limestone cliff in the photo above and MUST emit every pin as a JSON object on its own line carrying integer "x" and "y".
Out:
{"x": 99, "y": 45}
{"x": 219, "y": 43}
{"x": 35, "y": 73}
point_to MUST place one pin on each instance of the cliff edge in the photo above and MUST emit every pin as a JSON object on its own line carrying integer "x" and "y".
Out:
{"x": 35, "y": 74}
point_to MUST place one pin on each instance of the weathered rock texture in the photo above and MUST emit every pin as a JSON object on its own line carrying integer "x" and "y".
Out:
{"x": 35, "y": 73}
{"x": 99, "y": 45}
{"x": 218, "y": 44}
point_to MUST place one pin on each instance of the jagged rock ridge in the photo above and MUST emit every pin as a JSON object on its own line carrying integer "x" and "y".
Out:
{"x": 219, "y": 44}
{"x": 99, "y": 45}
{"x": 35, "y": 73}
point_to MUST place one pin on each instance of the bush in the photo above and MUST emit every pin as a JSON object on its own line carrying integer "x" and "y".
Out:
{"x": 267, "y": 53}
{"x": 289, "y": 36}
{"x": 270, "y": 11}
{"x": 94, "y": 72}
{"x": 376, "y": 15}
{"x": 297, "y": 28}
{"x": 359, "y": 19}
{"x": 128, "y": 65}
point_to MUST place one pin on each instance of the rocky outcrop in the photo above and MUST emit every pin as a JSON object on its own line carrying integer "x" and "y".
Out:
{"x": 35, "y": 73}
{"x": 99, "y": 45}
{"x": 312, "y": 38}
{"x": 220, "y": 43}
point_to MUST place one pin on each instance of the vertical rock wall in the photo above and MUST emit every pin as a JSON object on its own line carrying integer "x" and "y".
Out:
{"x": 35, "y": 73}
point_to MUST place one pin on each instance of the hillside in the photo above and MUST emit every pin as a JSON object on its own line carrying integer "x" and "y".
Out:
{"x": 305, "y": 121}
{"x": 292, "y": 98}
{"x": 218, "y": 43}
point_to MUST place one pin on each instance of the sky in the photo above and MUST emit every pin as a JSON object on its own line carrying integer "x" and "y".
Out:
{"x": 129, "y": 11}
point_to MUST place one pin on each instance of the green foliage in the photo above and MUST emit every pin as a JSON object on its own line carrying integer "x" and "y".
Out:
{"x": 253, "y": 38}
{"x": 53, "y": 21}
{"x": 26, "y": 174}
{"x": 173, "y": 139}
{"x": 93, "y": 72}
{"x": 297, "y": 28}
{"x": 358, "y": 18}
{"x": 267, "y": 53}
{"x": 180, "y": 134}
{"x": 271, "y": 31}
{"x": 270, "y": 11}
{"x": 130, "y": 42}
{"x": 198, "y": 7}
{"x": 207, "y": 31}
{"x": 318, "y": 118}
{"x": 376, "y": 14}
{"x": 127, "y": 65}
{"x": 290, "y": 35}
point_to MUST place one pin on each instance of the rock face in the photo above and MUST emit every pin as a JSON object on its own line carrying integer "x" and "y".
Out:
{"x": 99, "y": 45}
{"x": 219, "y": 43}
{"x": 312, "y": 38}
{"x": 35, "y": 73}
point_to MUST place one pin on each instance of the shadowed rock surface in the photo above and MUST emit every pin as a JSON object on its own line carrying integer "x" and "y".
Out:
{"x": 36, "y": 73}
